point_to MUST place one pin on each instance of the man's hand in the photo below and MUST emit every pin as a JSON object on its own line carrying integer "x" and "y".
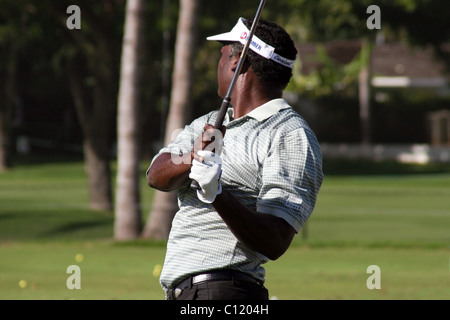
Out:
{"x": 211, "y": 140}
{"x": 207, "y": 173}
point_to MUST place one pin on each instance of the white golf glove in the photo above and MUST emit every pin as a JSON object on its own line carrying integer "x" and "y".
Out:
{"x": 207, "y": 174}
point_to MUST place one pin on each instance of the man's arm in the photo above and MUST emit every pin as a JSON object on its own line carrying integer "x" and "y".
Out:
{"x": 165, "y": 175}
{"x": 264, "y": 233}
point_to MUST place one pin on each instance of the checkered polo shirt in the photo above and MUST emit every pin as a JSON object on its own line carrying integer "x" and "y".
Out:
{"x": 271, "y": 162}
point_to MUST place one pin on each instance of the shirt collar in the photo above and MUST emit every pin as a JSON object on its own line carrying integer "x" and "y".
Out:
{"x": 262, "y": 112}
{"x": 268, "y": 109}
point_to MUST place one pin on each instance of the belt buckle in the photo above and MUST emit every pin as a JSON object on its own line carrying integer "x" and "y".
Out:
{"x": 176, "y": 293}
{"x": 173, "y": 294}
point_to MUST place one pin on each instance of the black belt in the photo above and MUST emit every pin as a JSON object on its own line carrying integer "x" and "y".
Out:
{"x": 220, "y": 275}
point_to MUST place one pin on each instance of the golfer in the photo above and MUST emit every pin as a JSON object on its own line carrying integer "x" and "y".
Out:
{"x": 258, "y": 183}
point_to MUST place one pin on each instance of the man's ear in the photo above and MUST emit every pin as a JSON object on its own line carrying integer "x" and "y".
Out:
{"x": 245, "y": 66}
{"x": 236, "y": 61}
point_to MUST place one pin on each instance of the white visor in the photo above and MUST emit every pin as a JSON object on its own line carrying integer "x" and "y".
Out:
{"x": 240, "y": 33}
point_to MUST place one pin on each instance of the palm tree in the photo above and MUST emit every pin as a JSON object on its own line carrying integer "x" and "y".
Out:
{"x": 127, "y": 224}
{"x": 165, "y": 203}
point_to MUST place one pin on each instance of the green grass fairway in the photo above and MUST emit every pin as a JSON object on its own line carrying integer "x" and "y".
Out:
{"x": 111, "y": 271}
{"x": 395, "y": 211}
{"x": 341, "y": 273}
{"x": 399, "y": 222}
{"x": 108, "y": 271}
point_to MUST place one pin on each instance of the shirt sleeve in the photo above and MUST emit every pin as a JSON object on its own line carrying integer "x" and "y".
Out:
{"x": 291, "y": 177}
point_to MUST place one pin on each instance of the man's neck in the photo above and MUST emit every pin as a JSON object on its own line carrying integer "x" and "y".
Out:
{"x": 245, "y": 101}
{"x": 249, "y": 94}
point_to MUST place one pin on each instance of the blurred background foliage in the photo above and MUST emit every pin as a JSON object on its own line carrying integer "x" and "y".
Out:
{"x": 39, "y": 53}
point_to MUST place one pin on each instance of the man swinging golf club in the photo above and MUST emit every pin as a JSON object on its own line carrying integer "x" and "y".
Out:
{"x": 256, "y": 187}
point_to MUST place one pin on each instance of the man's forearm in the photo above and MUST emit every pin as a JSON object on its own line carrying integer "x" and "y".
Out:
{"x": 264, "y": 233}
{"x": 165, "y": 175}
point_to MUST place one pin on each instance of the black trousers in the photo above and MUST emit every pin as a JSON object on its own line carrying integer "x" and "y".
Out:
{"x": 225, "y": 290}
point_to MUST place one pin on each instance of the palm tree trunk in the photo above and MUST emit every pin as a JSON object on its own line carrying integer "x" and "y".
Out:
{"x": 6, "y": 110}
{"x": 364, "y": 92}
{"x": 95, "y": 124}
{"x": 165, "y": 204}
{"x": 127, "y": 223}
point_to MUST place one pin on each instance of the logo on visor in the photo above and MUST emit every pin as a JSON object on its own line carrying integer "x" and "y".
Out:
{"x": 244, "y": 35}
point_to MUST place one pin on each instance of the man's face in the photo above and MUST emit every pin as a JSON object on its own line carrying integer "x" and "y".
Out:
{"x": 225, "y": 70}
